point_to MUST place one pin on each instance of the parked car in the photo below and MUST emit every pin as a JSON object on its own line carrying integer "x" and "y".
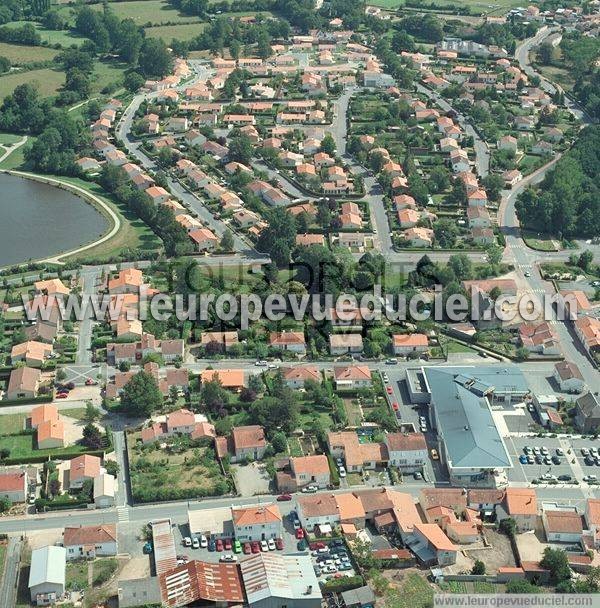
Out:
{"x": 284, "y": 497}
{"x": 264, "y": 546}
{"x": 395, "y": 406}
{"x": 195, "y": 543}
{"x": 212, "y": 545}
{"x": 342, "y": 472}
{"x": 297, "y": 524}
{"x": 279, "y": 544}
{"x": 247, "y": 548}
{"x": 187, "y": 541}
{"x": 523, "y": 459}
{"x": 271, "y": 544}
{"x": 255, "y": 547}
{"x": 434, "y": 454}
{"x": 228, "y": 557}
{"x": 389, "y": 390}
{"x": 316, "y": 545}
{"x": 564, "y": 478}
{"x": 227, "y": 544}
{"x": 203, "y": 541}
{"x": 237, "y": 546}
{"x": 556, "y": 460}
{"x": 219, "y": 545}
{"x": 299, "y": 533}
{"x": 62, "y": 395}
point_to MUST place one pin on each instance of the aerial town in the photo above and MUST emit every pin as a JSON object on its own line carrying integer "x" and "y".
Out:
{"x": 236, "y": 157}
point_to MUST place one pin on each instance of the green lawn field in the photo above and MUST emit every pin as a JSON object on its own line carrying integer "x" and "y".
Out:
{"x": 147, "y": 11}
{"x": 184, "y": 31}
{"x": 49, "y": 81}
{"x": 20, "y": 54}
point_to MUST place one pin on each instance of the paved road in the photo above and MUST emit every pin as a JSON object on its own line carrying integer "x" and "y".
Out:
{"x": 482, "y": 151}
{"x": 89, "y": 278}
{"x": 8, "y": 586}
{"x": 123, "y": 131}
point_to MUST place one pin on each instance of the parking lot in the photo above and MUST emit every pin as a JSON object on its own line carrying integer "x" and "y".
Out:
{"x": 331, "y": 559}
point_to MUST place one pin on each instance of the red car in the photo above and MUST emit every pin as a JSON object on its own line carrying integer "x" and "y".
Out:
{"x": 90, "y": 382}
{"x": 389, "y": 390}
{"x": 255, "y": 546}
{"x": 284, "y": 497}
{"x": 247, "y": 548}
{"x": 219, "y": 545}
{"x": 395, "y": 406}
{"x": 317, "y": 545}
{"x": 62, "y": 395}
{"x": 300, "y": 534}
{"x": 279, "y": 544}
{"x": 227, "y": 544}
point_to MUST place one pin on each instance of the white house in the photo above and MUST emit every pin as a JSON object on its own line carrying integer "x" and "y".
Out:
{"x": 405, "y": 344}
{"x": 407, "y": 451}
{"x": 88, "y": 542}
{"x": 104, "y": 491}
{"x": 13, "y": 485}
{"x": 562, "y": 524}
{"x": 431, "y": 542}
{"x": 260, "y": 522}
{"x": 317, "y": 509}
{"x": 47, "y": 575}
{"x": 521, "y": 505}
{"x": 569, "y": 377}
{"x": 352, "y": 377}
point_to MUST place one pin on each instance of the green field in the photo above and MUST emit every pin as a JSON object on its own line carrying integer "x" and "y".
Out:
{"x": 477, "y": 6}
{"x": 9, "y": 138}
{"x": 49, "y": 81}
{"x": 52, "y": 37}
{"x": 185, "y": 31}
{"x": 105, "y": 74}
{"x": 20, "y": 54}
{"x": 147, "y": 11}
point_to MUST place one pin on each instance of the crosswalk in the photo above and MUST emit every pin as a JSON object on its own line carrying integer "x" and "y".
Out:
{"x": 123, "y": 514}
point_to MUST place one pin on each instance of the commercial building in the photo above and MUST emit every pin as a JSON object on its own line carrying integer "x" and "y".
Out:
{"x": 47, "y": 575}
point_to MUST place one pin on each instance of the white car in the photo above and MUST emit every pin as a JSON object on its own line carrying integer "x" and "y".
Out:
{"x": 264, "y": 545}
{"x": 297, "y": 525}
{"x": 329, "y": 570}
{"x": 261, "y": 364}
{"x": 342, "y": 472}
{"x": 271, "y": 544}
{"x": 187, "y": 541}
{"x": 195, "y": 543}
{"x": 228, "y": 557}
{"x": 203, "y": 541}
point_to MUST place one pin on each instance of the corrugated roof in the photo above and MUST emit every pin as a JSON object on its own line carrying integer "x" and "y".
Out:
{"x": 48, "y": 565}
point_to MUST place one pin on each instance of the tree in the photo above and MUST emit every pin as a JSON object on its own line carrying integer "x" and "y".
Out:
{"x": 508, "y": 526}
{"x": 5, "y": 64}
{"x": 133, "y": 81}
{"x": 461, "y": 265}
{"x": 5, "y": 504}
{"x": 92, "y": 437}
{"x": 92, "y": 413}
{"x": 478, "y": 567}
{"x": 439, "y": 178}
{"x": 53, "y": 20}
{"x": 61, "y": 374}
{"x": 214, "y": 397}
{"x": 155, "y": 58}
{"x": 112, "y": 467}
{"x": 546, "y": 53}
{"x": 241, "y": 149}
{"x": 54, "y": 486}
{"x": 521, "y": 354}
{"x": 557, "y": 562}
{"x": 446, "y": 233}
{"x": 585, "y": 260}
{"x": 328, "y": 145}
{"x": 401, "y": 41}
{"x": 494, "y": 254}
{"x": 279, "y": 442}
{"x": 274, "y": 413}
{"x": 141, "y": 396}
{"x": 493, "y": 185}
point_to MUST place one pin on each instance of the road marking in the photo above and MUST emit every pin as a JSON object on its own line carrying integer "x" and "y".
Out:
{"x": 123, "y": 514}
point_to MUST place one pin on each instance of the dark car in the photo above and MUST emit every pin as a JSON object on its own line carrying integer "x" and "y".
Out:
{"x": 219, "y": 545}
{"x": 212, "y": 545}
{"x": 284, "y": 497}
{"x": 589, "y": 461}
{"x": 279, "y": 544}
{"x": 564, "y": 478}
{"x": 556, "y": 460}
{"x": 539, "y": 459}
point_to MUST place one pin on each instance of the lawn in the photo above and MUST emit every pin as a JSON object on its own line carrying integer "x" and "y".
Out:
{"x": 48, "y": 81}
{"x": 103, "y": 569}
{"x": 107, "y": 73}
{"x": 12, "y": 423}
{"x": 184, "y": 31}
{"x": 476, "y": 6}
{"x": 24, "y": 446}
{"x": 9, "y": 138}
{"x": 147, "y": 11}
{"x": 353, "y": 412}
{"x": 457, "y": 347}
{"x": 2, "y": 559}
{"x": 77, "y": 575}
{"x": 134, "y": 234}
{"x": 539, "y": 242}
{"x": 20, "y": 54}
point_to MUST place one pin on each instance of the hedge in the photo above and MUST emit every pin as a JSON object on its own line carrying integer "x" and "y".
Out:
{"x": 343, "y": 584}
{"x": 51, "y": 456}
{"x": 42, "y": 504}
{"x": 41, "y": 399}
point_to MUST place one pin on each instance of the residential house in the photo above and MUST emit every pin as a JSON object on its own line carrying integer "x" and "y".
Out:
{"x": 478, "y": 217}
{"x": 406, "y": 451}
{"x": 244, "y": 443}
{"x": 33, "y": 353}
{"x": 204, "y": 239}
{"x": 483, "y": 236}
{"x": 255, "y": 523}
{"x": 232, "y": 379}
{"x": 221, "y": 341}
{"x": 13, "y": 485}
{"x": 305, "y": 471}
{"x": 432, "y": 546}
{"x": 50, "y": 434}
{"x": 407, "y": 344}
{"x": 23, "y": 383}
{"x": 562, "y": 524}
{"x": 508, "y": 143}
{"x": 352, "y": 377}
{"x": 419, "y": 237}
{"x": 296, "y": 377}
{"x": 568, "y": 377}
{"x": 539, "y": 338}
{"x": 340, "y": 344}
{"x": 89, "y": 542}
{"x": 587, "y": 413}
{"x": 83, "y": 468}
{"x": 292, "y": 341}
{"x": 588, "y": 331}
{"x": 519, "y": 504}
{"x": 357, "y": 456}
{"x": 512, "y": 178}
